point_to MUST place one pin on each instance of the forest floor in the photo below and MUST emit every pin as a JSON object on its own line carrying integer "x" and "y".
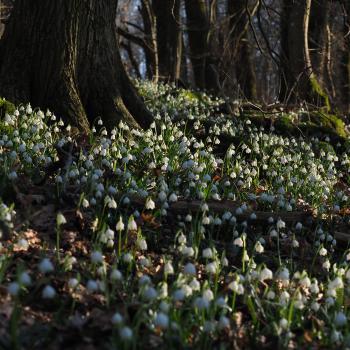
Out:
{"x": 219, "y": 227}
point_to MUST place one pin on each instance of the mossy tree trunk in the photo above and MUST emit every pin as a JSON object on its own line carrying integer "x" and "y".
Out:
{"x": 64, "y": 55}
{"x": 298, "y": 79}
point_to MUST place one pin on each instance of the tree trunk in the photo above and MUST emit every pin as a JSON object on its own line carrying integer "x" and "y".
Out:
{"x": 299, "y": 82}
{"x": 239, "y": 48}
{"x": 199, "y": 26}
{"x": 345, "y": 59}
{"x": 64, "y": 55}
{"x": 169, "y": 38}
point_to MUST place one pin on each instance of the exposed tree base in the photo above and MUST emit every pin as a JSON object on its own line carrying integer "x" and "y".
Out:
{"x": 64, "y": 55}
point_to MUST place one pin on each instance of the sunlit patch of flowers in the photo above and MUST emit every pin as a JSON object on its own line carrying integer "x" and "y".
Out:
{"x": 198, "y": 276}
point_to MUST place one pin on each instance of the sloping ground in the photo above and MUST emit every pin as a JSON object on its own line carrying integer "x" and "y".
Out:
{"x": 210, "y": 230}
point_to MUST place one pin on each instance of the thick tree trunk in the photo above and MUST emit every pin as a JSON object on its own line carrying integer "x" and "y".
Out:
{"x": 64, "y": 55}
{"x": 299, "y": 82}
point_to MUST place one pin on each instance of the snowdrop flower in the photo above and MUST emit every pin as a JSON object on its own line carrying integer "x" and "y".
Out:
{"x": 48, "y": 292}
{"x": 132, "y": 226}
{"x": 340, "y": 319}
{"x": 187, "y": 251}
{"x": 323, "y": 251}
{"x": 271, "y": 295}
{"x": 201, "y": 303}
{"x": 25, "y": 279}
{"x": 92, "y": 286}
{"x": 224, "y": 322}
{"x": 283, "y": 323}
{"x": 142, "y": 244}
{"x": 207, "y": 253}
{"x": 150, "y": 205}
{"x": 127, "y": 258}
{"x": 259, "y": 247}
{"x": 238, "y": 242}
{"x": 161, "y": 320}
{"x": 150, "y": 294}
{"x": 117, "y": 319}
{"x": 265, "y": 274}
{"x": 120, "y": 225}
{"x": 116, "y": 275}
{"x": 61, "y": 220}
{"x": 46, "y": 266}
{"x": 23, "y": 244}
{"x": 13, "y": 288}
{"x": 190, "y": 269}
{"x": 96, "y": 257}
{"x": 305, "y": 282}
{"x": 212, "y": 268}
{"x": 125, "y": 333}
{"x": 168, "y": 268}
{"x": 280, "y": 224}
{"x": 73, "y": 283}
{"x": 173, "y": 197}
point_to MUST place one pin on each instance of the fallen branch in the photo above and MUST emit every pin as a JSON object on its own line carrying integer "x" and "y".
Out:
{"x": 220, "y": 207}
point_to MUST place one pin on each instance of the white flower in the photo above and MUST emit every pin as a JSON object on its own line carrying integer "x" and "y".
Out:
{"x": 48, "y": 292}
{"x": 125, "y": 333}
{"x": 224, "y": 322}
{"x": 92, "y": 286}
{"x": 117, "y": 319}
{"x": 162, "y": 196}
{"x": 13, "y": 288}
{"x": 25, "y": 279}
{"x": 60, "y": 219}
{"x": 259, "y": 248}
{"x": 271, "y": 295}
{"x": 96, "y": 257}
{"x": 179, "y": 295}
{"x": 265, "y": 274}
{"x": 142, "y": 244}
{"x": 168, "y": 268}
{"x": 323, "y": 251}
{"x": 150, "y": 294}
{"x": 173, "y": 197}
{"x": 116, "y": 275}
{"x": 212, "y": 268}
{"x": 305, "y": 282}
{"x": 238, "y": 242}
{"x": 190, "y": 269}
{"x": 208, "y": 294}
{"x": 46, "y": 266}
{"x": 120, "y": 225}
{"x": 340, "y": 319}
{"x": 150, "y": 204}
{"x": 201, "y": 303}
{"x": 132, "y": 226}
{"x": 72, "y": 283}
{"x": 187, "y": 251}
{"x": 23, "y": 244}
{"x": 207, "y": 253}
{"x": 162, "y": 320}
{"x": 283, "y": 323}
{"x": 127, "y": 258}
{"x": 280, "y": 224}
{"x": 195, "y": 285}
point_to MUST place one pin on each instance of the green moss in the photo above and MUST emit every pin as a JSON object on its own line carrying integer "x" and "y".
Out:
{"x": 6, "y": 107}
{"x": 284, "y": 123}
{"x": 319, "y": 94}
{"x": 329, "y": 121}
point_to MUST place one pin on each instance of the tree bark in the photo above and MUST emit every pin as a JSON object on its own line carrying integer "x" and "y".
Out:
{"x": 199, "y": 26}
{"x": 64, "y": 55}
{"x": 239, "y": 48}
{"x": 169, "y": 38}
{"x": 298, "y": 79}
{"x": 345, "y": 59}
